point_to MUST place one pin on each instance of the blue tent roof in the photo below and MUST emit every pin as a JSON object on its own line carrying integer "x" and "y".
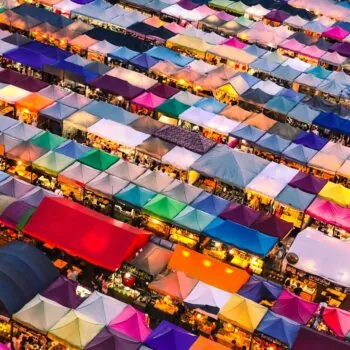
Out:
{"x": 210, "y": 203}
{"x": 193, "y": 219}
{"x": 29, "y": 58}
{"x": 292, "y": 95}
{"x": 135, "y": 195}
{"x": 3, "y": 176}
{"x": 310, "y": 140}
{"x": 165, "y": 54}
{"x": 75, "y": 69}
{"x": 280, "y": 104}
{"x": 286, "y": 73}
{"x": 210, "y": 104}
{"x": 329, "y": 121}
{"x": 58, "y": 111}
{"x": 24, "y": 272}
{"x": 279, "y": 327}
{"x": 247, "y": 132}
{"x": 255, "y": 50}
{"x": 144, "y": 61}
{"x": 303, "y": 113}
{"x": 296, "y": 198}
{"x": 265, "y": 65}
{"x": 240, "y": 236}
{"x": 299, "y": 153}
{"x": 273, "y": 143}
{"x": 72, "y": 149}
{"x": 123, "y": 54}
{"x": 47, "y": 50}
{"x": 258, "y": 289}
{"x": 106, "y": 110}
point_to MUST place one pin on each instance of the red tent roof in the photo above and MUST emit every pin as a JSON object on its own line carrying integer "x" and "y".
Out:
{"x": 80, "y": 231}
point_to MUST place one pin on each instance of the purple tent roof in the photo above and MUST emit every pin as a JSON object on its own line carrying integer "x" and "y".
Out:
{"x": 9, "y": 76}
{"x": 294, "y": 307}
{"x": 272, "y": 226}
{"x": 163, "y": 90}
{"x": 307, "y": 183}
{"x": 13, "y": 214}
{"x": 31, "y": 84}
{"x": 116, "y": 86}
{"x": 187, "y": 4}
{"x": 342, "y": 48}
{"x": 15, "y": 188}
{"x": 240, "y": 214}
{"x": 310, "y": 140}
{"x": 82, "y": 2}
{"x": 191, "y": 140}
{"x": 311, "y": 339}
{"x": 277, "y": 16}
{"x": 63, "y": 292}
{"x": 112, "y": 340}
{"x": 167, "y": 333}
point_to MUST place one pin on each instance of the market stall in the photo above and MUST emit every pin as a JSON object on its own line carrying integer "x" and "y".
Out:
{"x": 9, "y": 95}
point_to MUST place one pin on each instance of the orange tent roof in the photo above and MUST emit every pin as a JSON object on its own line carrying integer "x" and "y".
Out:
{"x": 176, "y": 284}
{"x": 205, "y": 344}
{"x": 208, "y": 270}
{"x": 83, "y": 41}
{"x": 34, "y": 102}
{"x": 236, "y": 113}
{"x": 260, "y": 121}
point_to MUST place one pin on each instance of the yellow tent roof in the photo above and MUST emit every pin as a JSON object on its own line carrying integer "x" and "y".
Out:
{"x": 243, "y": 313}
{"x": 336, "y": 193}
{"x": 190, "y": 42}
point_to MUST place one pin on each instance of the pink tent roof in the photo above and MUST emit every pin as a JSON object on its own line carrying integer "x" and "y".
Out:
{"x": 234, "y": 42}
{"x": 148, "y": 100}
{"x": 292, "y": 44}
{"x": 329, "y": 212}
{"x": 333, "y": 58}
{"x": 336, "y": 33}
{"x": 312, "y": 51}
{"x": 294, "y": 307}
{"x": 204, "y": 10}
{"x": 174, "y": 27}
{"x": 132, "y": 323}
{"x": 337, "y": 320}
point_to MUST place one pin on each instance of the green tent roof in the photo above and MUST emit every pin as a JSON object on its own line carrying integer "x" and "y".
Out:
{"x": 237, "y": 7}
{"x": 47, "y": 140}
{"x": 164, "y": 207}
{"x": 53, "y": 163}
{"x": 220, "y": 4}
{"x": 194, "y": 219}
{"x": 25, "y": 218}
{"x": 98, "y": 159}
{"x": 135, "y": 195}
{"x": 172, "y": 108}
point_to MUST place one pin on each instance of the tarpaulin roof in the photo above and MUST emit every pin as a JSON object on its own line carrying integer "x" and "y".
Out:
{"x": 36, "y": 195}
{"x": 76, "y": 329}
{"x": 319, "y": 72}
{"x": 75, "y": 100}
{"x": 299, "y": 153}
{"x": 101, "y": 308}
{"x": 72, "y": 149}
{"x": 180, "y": 158}
{"x": 247, "y": 132}
{"x": 63, "y": 291}
{"x": 57, "y": 111}
{"x": 258, "y": 289}
{"x": 193, "y": 219}
{"x": 172, "y": 108}
{"x": 176, "y": 284}
{"x": 210, "y": 104}
{"x": 26, "y": 271}
{"x": 112, "y": 241}
{"x": 337, "y": 320}
{"x": 155, "y": 147}
{"x": 135, "y": 195}
{"x": 243, "y": 313}
{"x": 25, "y": 152}
{"x": 166, "y": 54}
{"x": 78, "y": 174}
{"x": 15, "y": 187}
{"x": 280, "y": 328}
{"x": 210, "y": 203}
{"x": 265, "y": 185}
{"x": 6, "y": 123}
{"x": 294, "y": 307}
{"x": 240, "y": 214}
{"x": 260, "y": 121}
{"x": 98, "y": 159}
{"x": 303, "y": 113}
{"x": 144, "y": 61}
{"x": 167, "y": 333}
{"x": 182, "y": 192}
{"x": 11, "y": 94}
{"x": 146, "y": 125}
{"x": 207, "y": 298}
{"x": 22, "y": 131}
{"x": 148, "y": 100}
{"x": 47, "y": 140}
{"x": 309, "y": 338}
{"x": 280, "y": 104}
{"x": 126, "y": 170}
{"x": 163, "y": 90}
{"x": 53, "y": 92}
{"x": 240, "y": 236}
{"x": 273, "y": 143}
{"x": 40, "y": 314}
{"x": 123, "y": 53}
{"x": 164, "y": 207}
{"x": 106, "y": 185}
{"x": 16, "y": 214}
{"x": 336, "y": 193}
{"x": 34, "y": 102}
{"x": 31, "y": 84}
{"x": 229, "y": 166}
{"x": 208, "y": 269}
{"x": 52, "y": 163}
{"x": 154, "y": 180}
{"x": 326, "y": 161}
{"x": 295, "y": 198}
{"x": 153, "y": 259}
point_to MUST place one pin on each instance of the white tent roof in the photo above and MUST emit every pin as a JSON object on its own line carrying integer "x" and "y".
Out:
{"x": 197, "y": 116}
{"x": 40, "y": 314}
{"x": 233, "y": 54}
{"x": 126, "y": 170}
{"x": 266, "y": 186}
{"x": 201, "y": 67}
{"x": 66, "y": 6}
{"x": 296, "y": 21}
{"x": 309, "y": 80}
{"x": 221, "y": 124}
{"x": 154, "y": 180}
{"x": 134, "y": 78}
{"x": 333, "y": 58}
{"x": 268, "y": 86}
{"x": 180, "y": 158}
{"x": 118, "y": 133}
{"x": 322, "y": 256}
{"x": 279, "y": 172}
{"x": 80, "y": 173}
{"x": 257, "y": 10}
{"x": 12, "y": 94}
{"x": 101, "y": 308}
{"x": 297, "y": 64}
{"x": 187, "y": 98}
{"x": 343, "y": 152}
{"x": 107, "y": 184}
{"x": 104, "y": 47}
{"x": 204, "y": 294}
{"x": 76, "y": 329}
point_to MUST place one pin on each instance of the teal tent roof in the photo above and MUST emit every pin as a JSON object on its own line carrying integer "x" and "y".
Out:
{"x": 296, "y": 198}
{"x": 319, "y": 72}
{"x": 273, "y": 143}
{"x": 247, "y": 132}
{"x": 135, "y": 195}
{"x": 303, "y": 113}
{"x": 280, "y": 104}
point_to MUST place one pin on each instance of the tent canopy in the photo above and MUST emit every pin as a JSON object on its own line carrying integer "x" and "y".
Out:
{"x": 210, "y": 204}
{"x": 25, "y": 272}
{"x": 272, "y": 226}
{"x": 154, "y": 180}
{"x": 47, "y": 140}
{"x": 98, "y": 239}
{"x": 106, "y": 185}
{"x": 98, "y": 159}
{"x": 240, "y": 214}
{"x": 135, "y": 195}
{"x": 182, "y": 192}
{"x": 72, "y": 149}
{"x": 155, "y": 147}
{"x": 295, "y": 198}
{"x": 52, "y": 163}
{"x": 78, "y": 174}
